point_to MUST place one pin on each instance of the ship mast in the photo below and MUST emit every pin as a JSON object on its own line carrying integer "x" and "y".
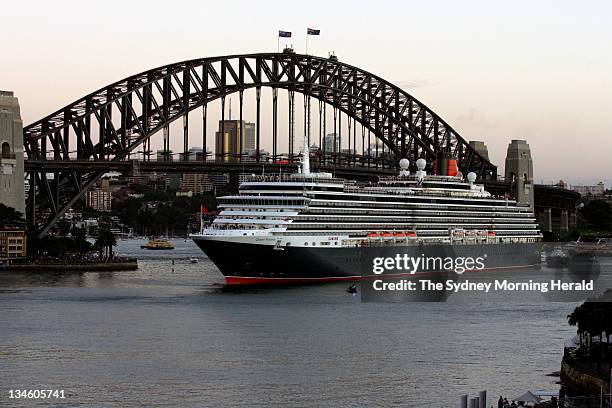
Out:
{"x": 306, "y": 150}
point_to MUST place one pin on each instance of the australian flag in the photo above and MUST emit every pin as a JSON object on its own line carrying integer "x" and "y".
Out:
{"x": 312, "y": 31}
{"x": 285, "y": 34}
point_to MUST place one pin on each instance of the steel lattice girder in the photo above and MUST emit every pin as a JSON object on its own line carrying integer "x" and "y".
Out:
{"x": 149, "y": 101}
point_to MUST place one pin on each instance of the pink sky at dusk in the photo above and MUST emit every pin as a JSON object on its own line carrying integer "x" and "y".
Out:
{"x": 540, "y": 71}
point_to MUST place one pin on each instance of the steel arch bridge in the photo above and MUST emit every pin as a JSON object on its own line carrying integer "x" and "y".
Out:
{"x": 106, "y": 126}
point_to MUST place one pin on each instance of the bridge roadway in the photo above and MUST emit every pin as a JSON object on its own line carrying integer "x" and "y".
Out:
{"x": 197, "y": 166}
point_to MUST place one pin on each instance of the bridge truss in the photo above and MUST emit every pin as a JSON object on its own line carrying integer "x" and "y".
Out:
{"x": 109, "y": 125}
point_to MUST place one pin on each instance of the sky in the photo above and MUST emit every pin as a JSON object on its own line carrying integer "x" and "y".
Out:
{"x": 495, "y": 71}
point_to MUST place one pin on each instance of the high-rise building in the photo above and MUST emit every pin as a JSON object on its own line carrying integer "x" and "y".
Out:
{"x": 331, "y": 143}
{"x": 12, "y": 192}
{"x": 248, "y": 137}
{"x": 196, "y": 182}
{"x": 228, "y": 144}
{"x": 98, "y": 199}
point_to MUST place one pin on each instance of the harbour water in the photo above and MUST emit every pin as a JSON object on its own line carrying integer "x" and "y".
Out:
{"x": 169, "y": 335}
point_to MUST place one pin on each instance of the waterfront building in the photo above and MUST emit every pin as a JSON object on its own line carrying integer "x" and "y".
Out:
{"x": 219, "y": 179}
{"x": 597, "y": 190}
{"x": 196, "y": 182}
{"x": 13, "y": 244}
{"x": 173, "y": 180}
{"x": 12, "y": 192}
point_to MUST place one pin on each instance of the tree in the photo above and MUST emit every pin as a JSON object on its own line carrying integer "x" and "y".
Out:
{"x": 598, "y": 214}
{"x": 105, "y": 242}
{"x": 79, "y": 237}
{"x": 10, "y": 217}
{"x": 593, "y": 318}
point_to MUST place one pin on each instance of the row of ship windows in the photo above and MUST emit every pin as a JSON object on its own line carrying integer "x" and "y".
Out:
{"x": 359, "y": 206}
{"x": 315, "y": 210}
{"x": 399, "y": 205}
{"x": 423, "y": 227}
{"x": 403, "y": 220}
{"x": 322, "y": 210}
{"x": 247, "y": 201}
{"x": 462, "y": 220}
{"x": 303, "y": 228}
{"x": 406, "y": 198}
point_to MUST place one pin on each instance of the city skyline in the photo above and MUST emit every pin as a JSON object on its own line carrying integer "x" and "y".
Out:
{"x": 538, "y": 72}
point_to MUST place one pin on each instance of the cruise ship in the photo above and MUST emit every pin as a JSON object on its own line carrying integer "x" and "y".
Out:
{"x": 312, "y": 227}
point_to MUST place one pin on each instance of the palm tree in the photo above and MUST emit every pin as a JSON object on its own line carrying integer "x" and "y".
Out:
{"x": 105, "y": 242}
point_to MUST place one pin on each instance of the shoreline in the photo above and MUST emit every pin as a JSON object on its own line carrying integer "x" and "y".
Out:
{"x": 130, "y": 264}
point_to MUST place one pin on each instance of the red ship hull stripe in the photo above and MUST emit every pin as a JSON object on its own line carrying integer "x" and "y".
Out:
{"x": 255, "y": 280}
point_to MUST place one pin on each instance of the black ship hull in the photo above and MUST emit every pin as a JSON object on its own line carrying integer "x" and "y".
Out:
{"x": 254, "y": 264}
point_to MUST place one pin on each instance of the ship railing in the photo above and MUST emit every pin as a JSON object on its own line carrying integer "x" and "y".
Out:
{"x": 384, "y": 191}
{"x": 291, "y": 178}
{"x": 414, "y": 177}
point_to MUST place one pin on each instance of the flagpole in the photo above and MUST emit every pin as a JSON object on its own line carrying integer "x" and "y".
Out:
{"x": 201, "y": 220}
{"x": 306, "y": 43}
{"x": 278, "y": 43}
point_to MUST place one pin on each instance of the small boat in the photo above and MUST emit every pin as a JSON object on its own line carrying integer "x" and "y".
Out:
{"x": 557, "y": 258}
{"x": 158, "y": 243}
{"x": 193, "y": 260}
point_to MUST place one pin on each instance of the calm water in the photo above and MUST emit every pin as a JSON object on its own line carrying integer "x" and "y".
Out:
{"x": 158, "y": 337}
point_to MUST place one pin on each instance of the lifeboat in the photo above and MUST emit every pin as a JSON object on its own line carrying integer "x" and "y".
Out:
{"x": 387, "y": 235}
{"x": 373, "y": 235}
{"x": 411, "y": 234}
{"x": 491, "y": 233}
{"x": 400, "y": 235}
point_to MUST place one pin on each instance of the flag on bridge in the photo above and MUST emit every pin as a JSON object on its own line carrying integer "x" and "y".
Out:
{"x": 285, "y": 34}
{"x": 312, "y": 31}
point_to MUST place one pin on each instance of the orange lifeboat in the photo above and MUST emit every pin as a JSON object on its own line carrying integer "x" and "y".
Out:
{"x": 411, "y": 234}
{"x": 400, "y": 235}
{"x": 387, "y": 234}
{"x": 491, "y": 233}
{"x": 373, "y": 235}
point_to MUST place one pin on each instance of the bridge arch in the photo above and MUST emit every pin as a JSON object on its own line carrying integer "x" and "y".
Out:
{"x": 149, "y": 101}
